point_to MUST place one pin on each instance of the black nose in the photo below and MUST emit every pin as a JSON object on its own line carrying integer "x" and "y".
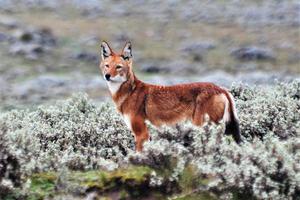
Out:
{"x": 107, "y": 77}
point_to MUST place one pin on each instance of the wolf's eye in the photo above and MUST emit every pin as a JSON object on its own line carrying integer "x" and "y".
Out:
{"x": 118, "y": 67}
{"x": 106, "y": 66}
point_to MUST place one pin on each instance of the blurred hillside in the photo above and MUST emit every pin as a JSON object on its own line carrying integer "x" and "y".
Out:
{"x": 50, "y": 49}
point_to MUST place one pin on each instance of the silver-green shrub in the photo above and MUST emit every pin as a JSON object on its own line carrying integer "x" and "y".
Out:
{"x": 264, "y": 169}
{"x": 275, "y": 109}
{"x": 267, "y": 169}
{"x": 74, "y": 133}
{"x": 79, "y": 135}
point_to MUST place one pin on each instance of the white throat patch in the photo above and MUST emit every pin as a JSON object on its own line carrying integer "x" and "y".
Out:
{"x": 115, "y": 83}
{"x": 127, "y": 120}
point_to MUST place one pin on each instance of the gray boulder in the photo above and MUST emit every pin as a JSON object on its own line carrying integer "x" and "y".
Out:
{"x": 153, "y": 68}
{"x": 30, "y": 51}
{"x": 32, "y": 43}
{"x": 4, "y": 37}
{"x": 9, "y": 23}
{"x": 86, "y": 56}
{"x": 197, "y": 49}
{"x": 42, "y": 36}
{"x": 253, "y": 53}
{"x": 199, "y": 46}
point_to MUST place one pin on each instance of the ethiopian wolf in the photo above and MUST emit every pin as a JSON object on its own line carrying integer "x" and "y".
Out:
{"x": 138, "y": 101}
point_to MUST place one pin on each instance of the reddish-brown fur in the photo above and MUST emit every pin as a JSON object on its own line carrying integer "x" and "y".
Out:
{"x": 160, "y": 105}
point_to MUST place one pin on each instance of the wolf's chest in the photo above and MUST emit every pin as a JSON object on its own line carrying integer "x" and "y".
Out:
{"x": 127, "y": 120}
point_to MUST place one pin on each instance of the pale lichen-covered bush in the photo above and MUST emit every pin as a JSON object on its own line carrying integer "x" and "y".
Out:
{"x": 266, "y": 169}
{"x": 74, "y": 133}
{"x": 78, "y": 135}
{"x": 275, "y": 109}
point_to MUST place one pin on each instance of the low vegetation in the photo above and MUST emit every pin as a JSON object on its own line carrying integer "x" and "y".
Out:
{"x": 77, "y": 148}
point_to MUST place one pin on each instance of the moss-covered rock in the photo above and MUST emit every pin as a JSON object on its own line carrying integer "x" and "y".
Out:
{"x": 130, "y": 182}
{"x": 42, "y": 185}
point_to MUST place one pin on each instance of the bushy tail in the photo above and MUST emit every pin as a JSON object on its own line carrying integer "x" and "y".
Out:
{"x": 232, "y": 124}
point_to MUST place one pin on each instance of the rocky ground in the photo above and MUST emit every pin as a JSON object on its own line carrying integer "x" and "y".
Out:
{"x": 50, "y": 50}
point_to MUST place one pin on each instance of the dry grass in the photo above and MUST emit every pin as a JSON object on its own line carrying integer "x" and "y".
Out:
{"x": 160, "y": 40}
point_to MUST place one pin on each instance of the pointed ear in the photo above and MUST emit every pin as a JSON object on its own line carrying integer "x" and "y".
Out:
{"x": 105, "y": 50}
{"x": 127, "y": 51}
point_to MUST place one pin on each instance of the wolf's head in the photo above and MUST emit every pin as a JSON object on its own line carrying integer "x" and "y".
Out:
{"x": 116, "y": 67}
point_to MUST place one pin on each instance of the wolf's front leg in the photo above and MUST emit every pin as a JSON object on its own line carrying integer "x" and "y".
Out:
{"x": 140, "y": 132}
